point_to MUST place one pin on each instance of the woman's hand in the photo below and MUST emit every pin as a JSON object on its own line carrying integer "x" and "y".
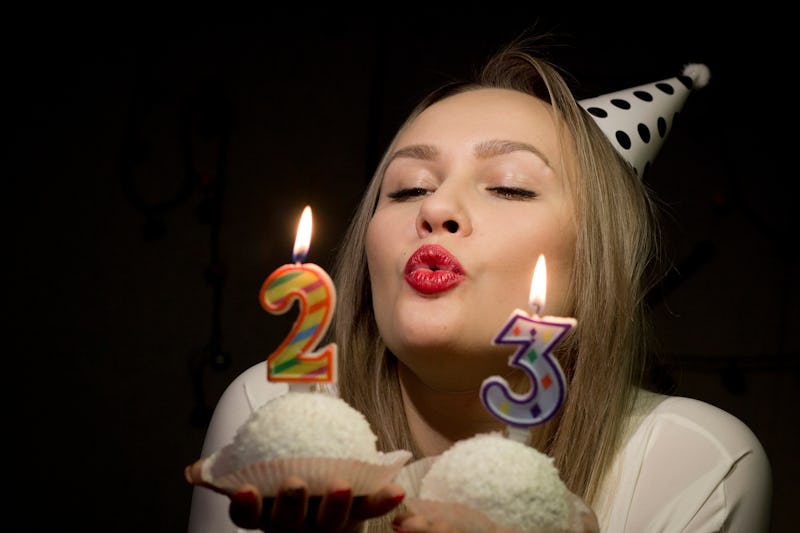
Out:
{"x": 408, "y": 522}
{"x": 292, "y": 509}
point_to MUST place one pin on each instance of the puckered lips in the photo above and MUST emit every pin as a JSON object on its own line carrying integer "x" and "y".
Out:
{"x": 433, "y": 269}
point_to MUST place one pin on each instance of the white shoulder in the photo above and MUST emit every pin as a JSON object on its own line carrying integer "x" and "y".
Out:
{"x": 686, "y": 466}
{"x": 245, "y": 394}
{"x": 700, "y": 421}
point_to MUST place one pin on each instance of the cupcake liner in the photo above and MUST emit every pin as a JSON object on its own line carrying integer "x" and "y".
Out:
{"x": 317, "y": 472}
{"x": 410, "y": 476}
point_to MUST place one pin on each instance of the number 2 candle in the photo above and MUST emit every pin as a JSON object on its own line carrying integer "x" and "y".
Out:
{"x": 536, "y": 337}
{"x": 296, "y": 360}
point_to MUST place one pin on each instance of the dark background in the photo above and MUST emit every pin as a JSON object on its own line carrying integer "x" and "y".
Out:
{"x": 158, "y": 165}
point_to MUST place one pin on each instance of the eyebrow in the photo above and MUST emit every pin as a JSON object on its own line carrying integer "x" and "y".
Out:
{"x": 483, "y": 150}
{"x": 497, "y": 147}
{"x": 425, "y": 152}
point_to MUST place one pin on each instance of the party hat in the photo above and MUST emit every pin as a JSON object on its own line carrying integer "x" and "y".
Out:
{"x": 637, "y": 120}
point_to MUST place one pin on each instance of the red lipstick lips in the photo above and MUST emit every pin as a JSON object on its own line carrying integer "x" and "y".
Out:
{"x": 432, "y": 269}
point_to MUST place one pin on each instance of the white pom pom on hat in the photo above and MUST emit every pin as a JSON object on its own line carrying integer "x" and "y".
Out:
{"x": 637, "y": 120}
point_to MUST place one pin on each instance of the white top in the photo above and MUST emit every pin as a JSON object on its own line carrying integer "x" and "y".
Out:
{"x": 685, "y": 466}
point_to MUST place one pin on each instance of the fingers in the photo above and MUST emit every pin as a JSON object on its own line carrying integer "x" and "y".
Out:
{"x": 334, "y": 510}
{"x": 339, "y": 510}
{"x": 193, "y": 474}
{"x": 291, "y": 505}
{"x": 292, "y": 509}
{"x": 408, "y": 522}
{"x": 246, "y": 507}
{"x": 378, "y": 503}
{"x": 287, "y": 511}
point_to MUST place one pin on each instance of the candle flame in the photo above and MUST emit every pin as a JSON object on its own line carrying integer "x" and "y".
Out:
{"x": 538, "y": 286}
{"x": 302, "y": 240}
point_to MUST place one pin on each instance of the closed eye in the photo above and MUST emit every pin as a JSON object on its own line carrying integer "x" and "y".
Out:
{"x": 404, "y": 194}
{"x": 513, "y": 193}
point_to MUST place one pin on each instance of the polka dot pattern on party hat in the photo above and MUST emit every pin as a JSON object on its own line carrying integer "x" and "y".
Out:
{"x": 638, "y": 120}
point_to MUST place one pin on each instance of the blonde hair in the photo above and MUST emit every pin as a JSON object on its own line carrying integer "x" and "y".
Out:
{"x": 603, "y": 359}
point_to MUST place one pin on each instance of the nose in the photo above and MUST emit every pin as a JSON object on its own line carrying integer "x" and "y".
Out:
{"x": 443, "y": 211}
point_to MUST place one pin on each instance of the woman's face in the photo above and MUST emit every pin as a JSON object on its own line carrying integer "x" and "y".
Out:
{"x": 472, "y": 195}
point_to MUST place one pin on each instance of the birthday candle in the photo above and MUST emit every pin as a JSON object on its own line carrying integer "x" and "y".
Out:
{"x": 536, "y": 337}
{"x": 296, "y": 360}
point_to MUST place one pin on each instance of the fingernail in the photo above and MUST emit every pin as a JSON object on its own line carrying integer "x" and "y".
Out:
{"x": 342, "y": 494}
{"x": 244, "y": 509}
{"x": 245, "y": 497}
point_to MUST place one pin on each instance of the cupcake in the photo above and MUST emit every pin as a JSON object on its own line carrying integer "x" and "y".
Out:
{"x": 313, "y": 435}
{"x": 510, "y": 484}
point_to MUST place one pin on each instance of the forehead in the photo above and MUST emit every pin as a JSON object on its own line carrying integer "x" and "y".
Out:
{"x": 475, "y": 116}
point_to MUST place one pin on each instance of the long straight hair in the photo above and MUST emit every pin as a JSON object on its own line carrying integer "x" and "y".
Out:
{"x": 603, "y": 358}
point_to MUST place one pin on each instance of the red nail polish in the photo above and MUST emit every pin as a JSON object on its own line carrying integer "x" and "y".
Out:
{"x": 245, "y": 498}
{"x": 342, "y": 494}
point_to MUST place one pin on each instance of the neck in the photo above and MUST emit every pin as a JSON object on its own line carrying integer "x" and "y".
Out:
{"x": 438, "y": 418}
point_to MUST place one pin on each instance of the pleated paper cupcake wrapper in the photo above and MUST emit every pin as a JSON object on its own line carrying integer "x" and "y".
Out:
{"x": 317, "y": 472}
{"x": 410, "y": 476}
{"x": 467, "y": 519}
{"x": 462, "y": 517}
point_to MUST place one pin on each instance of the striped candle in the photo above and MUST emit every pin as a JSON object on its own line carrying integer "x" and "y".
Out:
{"x": 296, "y": 360}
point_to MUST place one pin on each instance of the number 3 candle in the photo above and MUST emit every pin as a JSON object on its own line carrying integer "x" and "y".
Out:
{"x": 295, "y": 360}
{"x": 536, "y": 337}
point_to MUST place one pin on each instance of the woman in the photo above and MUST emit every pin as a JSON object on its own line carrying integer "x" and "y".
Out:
{"x": 481, "y": 179}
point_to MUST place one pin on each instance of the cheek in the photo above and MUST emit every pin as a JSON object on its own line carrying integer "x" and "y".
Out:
{"x": 388, "y": 235}
{"x": 379, "y": 254}
{"x": 383, "y": 280}
{"x": 560, "y": 265}
{"x": 557, "y": 243}
{"x": 372, "y": 248}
